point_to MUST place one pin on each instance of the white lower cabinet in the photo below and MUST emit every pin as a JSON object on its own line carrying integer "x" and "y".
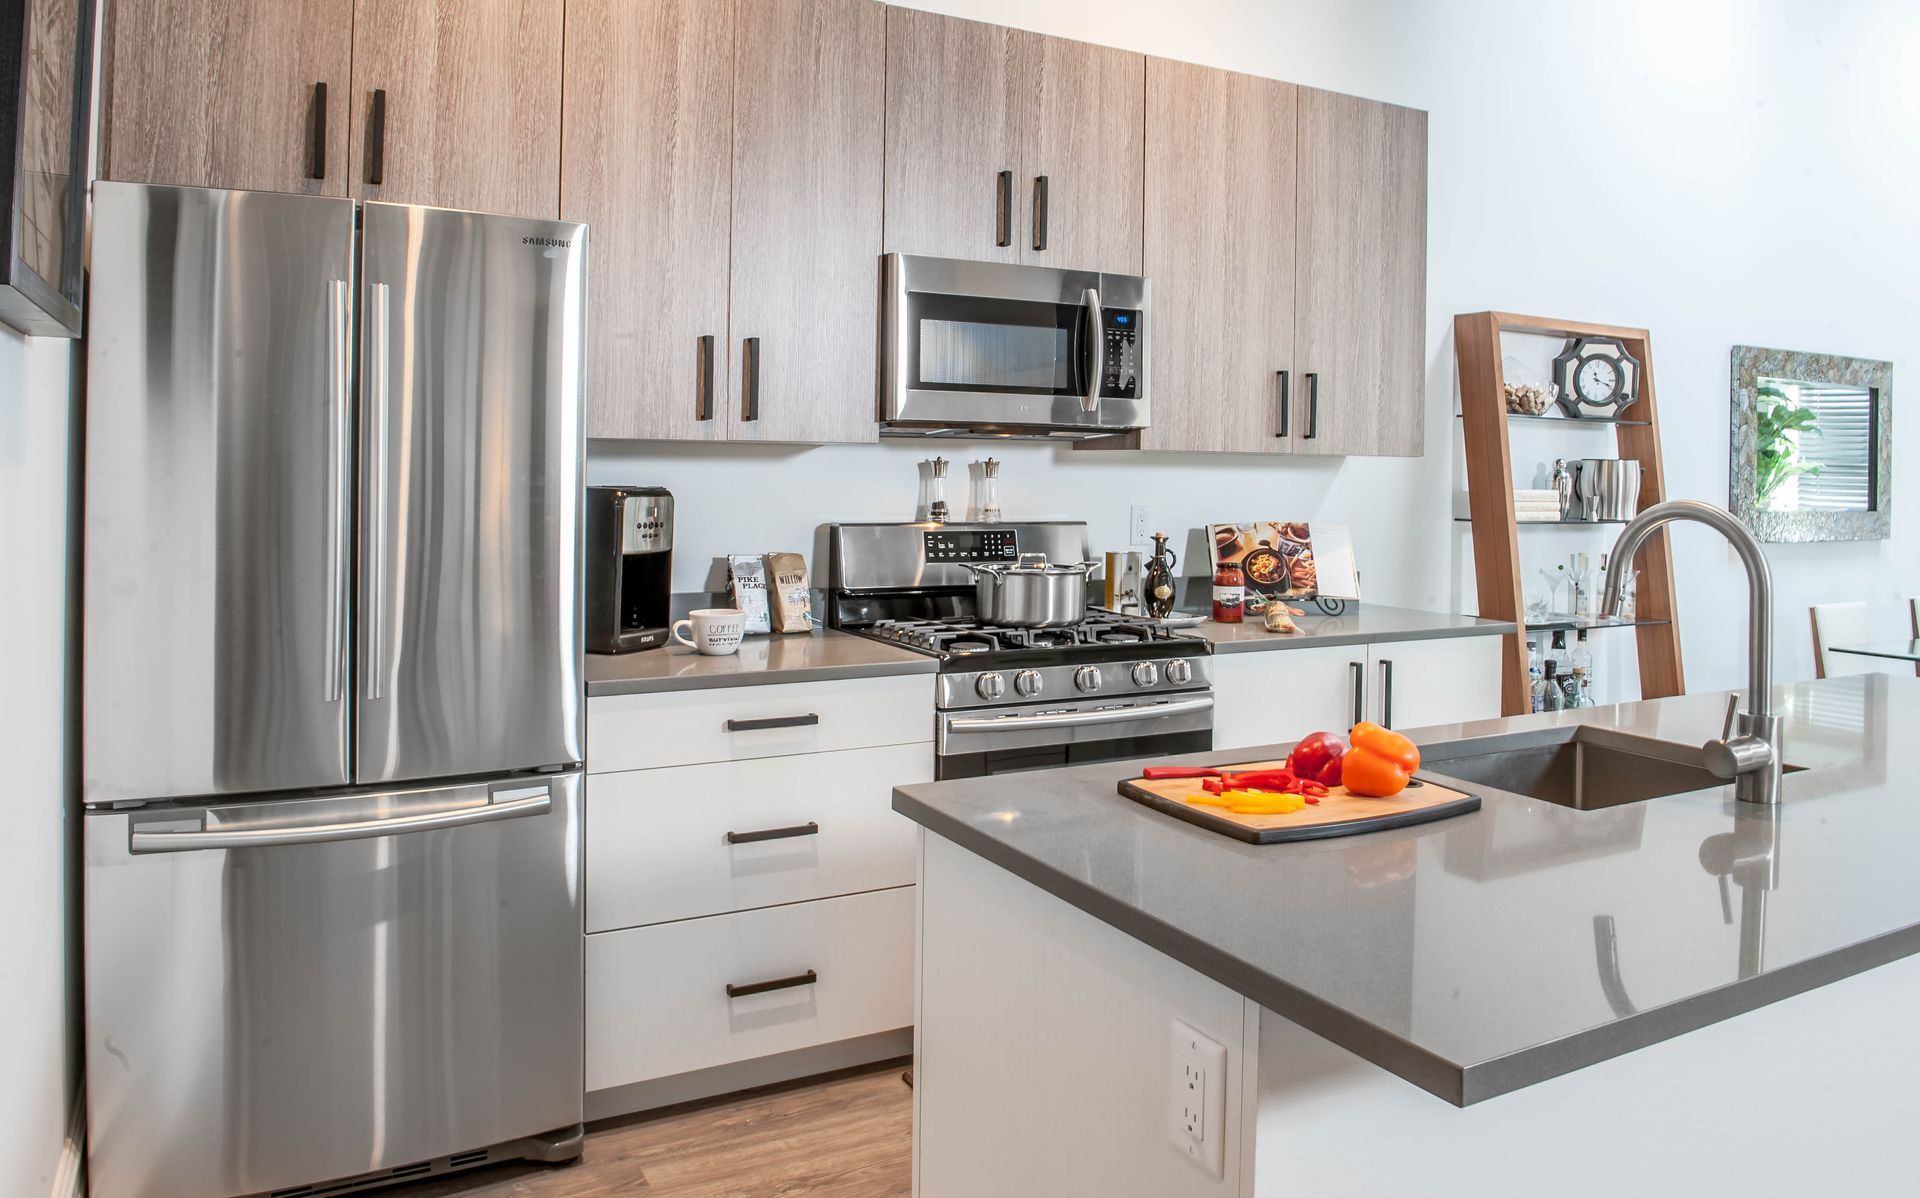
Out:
{"x": 1277, "y": 696}
{"x": 733, "y": 835}
{"x": 658, "y": 1001}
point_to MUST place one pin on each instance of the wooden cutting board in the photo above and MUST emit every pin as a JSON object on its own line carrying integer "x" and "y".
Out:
{"x": 1338, "y": 814}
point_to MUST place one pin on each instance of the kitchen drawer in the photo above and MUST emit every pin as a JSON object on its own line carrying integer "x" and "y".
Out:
{"x": 657, "y": 845}
{"x": 631, "y": 732}
{"x": 657, "y": 1002}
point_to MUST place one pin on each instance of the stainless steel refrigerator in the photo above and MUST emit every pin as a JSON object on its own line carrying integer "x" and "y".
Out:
{"x": 332, "y": 699}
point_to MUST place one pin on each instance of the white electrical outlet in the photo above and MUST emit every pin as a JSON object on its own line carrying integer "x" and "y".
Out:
{"x": 1197, "y": 1098}
{"x": 1137, "y": 517}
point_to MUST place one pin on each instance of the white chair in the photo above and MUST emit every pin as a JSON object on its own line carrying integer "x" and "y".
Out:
{"x": 1842, "y": 624}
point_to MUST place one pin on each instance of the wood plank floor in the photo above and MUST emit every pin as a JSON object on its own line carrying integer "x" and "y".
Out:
{"x": 846, "y": 1136}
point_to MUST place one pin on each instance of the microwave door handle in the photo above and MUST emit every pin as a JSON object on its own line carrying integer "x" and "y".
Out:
{"x": 1090, "y": 398}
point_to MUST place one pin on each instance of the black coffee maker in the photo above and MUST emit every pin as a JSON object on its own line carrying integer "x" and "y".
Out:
{"x": 629, "y": 568}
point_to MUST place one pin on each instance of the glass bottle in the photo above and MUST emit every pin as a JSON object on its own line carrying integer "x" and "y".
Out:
{"x": 1229, "y": 593}
{"x": 1552, "y": 696}
{"x": 1536, "y": 671}
{"x": 1159, "y": 582}
{"x": 1582, "y": 685}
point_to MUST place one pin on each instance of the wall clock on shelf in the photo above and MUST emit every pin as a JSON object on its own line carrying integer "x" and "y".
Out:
{"x": 1596, "y": 377}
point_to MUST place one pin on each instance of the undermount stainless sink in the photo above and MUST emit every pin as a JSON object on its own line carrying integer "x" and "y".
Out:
{"x": 1582, "y": 767}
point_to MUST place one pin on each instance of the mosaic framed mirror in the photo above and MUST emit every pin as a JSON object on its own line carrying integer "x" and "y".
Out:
{"x": 1812, "y": 445}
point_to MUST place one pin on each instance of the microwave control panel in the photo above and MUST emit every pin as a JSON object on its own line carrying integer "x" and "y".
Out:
{"x": 1120, "y": 373}
{"x": 972, "y": 545}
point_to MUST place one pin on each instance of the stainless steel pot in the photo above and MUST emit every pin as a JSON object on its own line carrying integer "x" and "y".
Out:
{"x": 1032, "y": 592}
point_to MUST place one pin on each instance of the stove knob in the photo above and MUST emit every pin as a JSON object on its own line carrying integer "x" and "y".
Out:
{"x": 1087, "y": 678}
{"x": 1027, "y": 682}
{"x": 990, "y": 686}
{"x": 1179, "y": 672}
{"x": 1144, "y": 673}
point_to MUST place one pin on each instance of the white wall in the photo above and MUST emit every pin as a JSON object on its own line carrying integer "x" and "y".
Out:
{"x": 36, "y": 1090}
{"x": 1717, "y": 172}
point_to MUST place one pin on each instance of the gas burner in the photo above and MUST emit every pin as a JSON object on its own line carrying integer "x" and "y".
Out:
{"x": 964, "y": 646}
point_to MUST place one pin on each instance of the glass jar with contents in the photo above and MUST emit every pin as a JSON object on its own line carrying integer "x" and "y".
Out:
{"x": 1229, "y": 593}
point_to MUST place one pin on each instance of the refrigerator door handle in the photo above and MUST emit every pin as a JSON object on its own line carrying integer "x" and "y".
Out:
{"x": 527, "y": 802}
{"x": 376, "y": 490}
{"x": 338, "y": 484}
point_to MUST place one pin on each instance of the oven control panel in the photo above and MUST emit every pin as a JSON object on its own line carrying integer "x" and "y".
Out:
{"x": 1120, "y": 353}
{"x": 971, "y": 545}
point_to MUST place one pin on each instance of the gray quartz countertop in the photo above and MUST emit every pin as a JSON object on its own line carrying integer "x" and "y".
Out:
{"x": 819, "y": 656}
{"x": 1491, "y": 951}
{"x": 1361, "y": 624}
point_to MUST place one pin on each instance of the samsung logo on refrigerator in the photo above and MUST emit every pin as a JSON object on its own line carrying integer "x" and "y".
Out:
{"x": 555, "y": 242}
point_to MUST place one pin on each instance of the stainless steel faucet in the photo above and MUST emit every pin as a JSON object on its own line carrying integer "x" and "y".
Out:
{"x": 1749, "y": 749}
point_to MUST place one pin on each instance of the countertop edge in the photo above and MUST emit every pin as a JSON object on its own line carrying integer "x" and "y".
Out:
{"x": 606, "y": 687}
{"x": 1434, "y": 1074}
{"x": 1281, "y": 641}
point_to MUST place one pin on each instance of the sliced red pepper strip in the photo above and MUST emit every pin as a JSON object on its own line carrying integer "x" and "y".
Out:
{"x": 1156, "y": 773}
{"x": 1212, "y": 786}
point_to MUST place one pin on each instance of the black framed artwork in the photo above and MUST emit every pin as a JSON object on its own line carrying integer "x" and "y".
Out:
{"x": 46, "y": 87}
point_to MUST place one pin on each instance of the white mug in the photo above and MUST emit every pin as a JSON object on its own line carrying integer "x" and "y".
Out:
{"x": 716, "y": 630}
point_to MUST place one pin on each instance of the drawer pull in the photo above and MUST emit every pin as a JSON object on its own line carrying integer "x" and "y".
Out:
{"x": 779, "y": 721}
{"x": 807, "y": 829}
{"x": 799, "y": 979}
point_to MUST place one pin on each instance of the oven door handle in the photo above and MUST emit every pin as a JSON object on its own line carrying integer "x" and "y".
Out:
{"x": 1078, "y": 719}
{"x": 1095, "y": 352}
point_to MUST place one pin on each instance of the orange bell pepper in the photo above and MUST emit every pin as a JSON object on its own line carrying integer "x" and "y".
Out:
{"x": 1379, "y": 763}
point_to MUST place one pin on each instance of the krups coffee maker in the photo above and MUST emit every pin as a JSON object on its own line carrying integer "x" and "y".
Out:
{"x": 629, "y": 568}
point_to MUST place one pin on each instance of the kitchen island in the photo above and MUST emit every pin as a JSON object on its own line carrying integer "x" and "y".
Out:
{"x": 1589, "y": 1001}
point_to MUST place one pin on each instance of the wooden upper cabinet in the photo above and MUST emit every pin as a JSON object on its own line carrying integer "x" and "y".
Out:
{"x": 1083, "y": 131}
{"x": 1220, "y": 250}
{"x": 222, "y": 93}
{"x": 1007, "y": 146}
{"x": 646, "y": 161}
{"x": 954, "y": 181}
{"x": 457, "y": 105}
{"x": 1363, "y": 273}
{"x": 808, "y": 141}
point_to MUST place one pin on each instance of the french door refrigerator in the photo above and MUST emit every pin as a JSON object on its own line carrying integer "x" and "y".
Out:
{"x": 331, "y": 691}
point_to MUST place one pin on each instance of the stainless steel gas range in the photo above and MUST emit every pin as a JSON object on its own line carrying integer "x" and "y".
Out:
{"x": 1009, "y": 699}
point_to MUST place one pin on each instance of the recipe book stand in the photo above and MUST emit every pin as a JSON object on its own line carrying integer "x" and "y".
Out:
{"x": 1485, "y": 422}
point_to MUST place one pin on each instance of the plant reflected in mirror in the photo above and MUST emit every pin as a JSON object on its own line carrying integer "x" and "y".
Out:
{"x": 1812, "y": 445}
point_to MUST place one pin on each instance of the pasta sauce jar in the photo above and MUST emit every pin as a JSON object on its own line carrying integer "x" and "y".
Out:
{"x": 1229, "y": 593}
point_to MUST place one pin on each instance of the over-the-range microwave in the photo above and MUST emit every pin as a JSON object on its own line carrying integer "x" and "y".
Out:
{"x": 996, "y": 349}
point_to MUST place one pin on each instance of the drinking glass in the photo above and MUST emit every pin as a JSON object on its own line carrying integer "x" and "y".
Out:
{"x": 1553, "y": 574}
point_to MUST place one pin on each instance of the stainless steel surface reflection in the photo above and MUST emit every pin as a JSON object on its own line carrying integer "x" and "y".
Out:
{"x": 209, "y": 468}
{"x": 470, "y": 448}
{"x": 314, "y": 1011}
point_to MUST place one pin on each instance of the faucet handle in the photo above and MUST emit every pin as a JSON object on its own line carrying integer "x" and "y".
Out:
{"x": 1733, "y": 708}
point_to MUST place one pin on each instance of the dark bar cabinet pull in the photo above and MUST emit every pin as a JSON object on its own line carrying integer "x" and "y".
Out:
{"x": 1003, "y": 209}
{"x": 1039, "y": 212}
{"x": 1386, "y": 695}
{"x": 1359, "y": 669}
{"x": 750, "y": 379}
{"x": 807, "y": 829}
{"x": 703, "y": 399}
{"x": 319, "y": 131}
{"x": 1313, "y": 406}
{"x": 377, "y": 137}
{"x": 779, "y": 721}
{"x": 799, "y": 979}
{"x": 1286, "y": 419}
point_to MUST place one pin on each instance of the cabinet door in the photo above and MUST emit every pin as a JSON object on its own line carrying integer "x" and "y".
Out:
{"x": 1363, "y": 277}
{"x": 229, "y": 93}
{"x": 954, "y": 177}
{"x": 1274, "y": 697}
{"x": 1083, "y": 134}
{"x": 458, "y": 105}
{"x": 1219, "y": 249}
{"x": 1412, "y": 684}
{"x": 646, "y": 160}
{"x": 807, "y": 181}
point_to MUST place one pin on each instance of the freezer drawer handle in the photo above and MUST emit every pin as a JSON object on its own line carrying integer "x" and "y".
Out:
{"x": 1079, "y": 719}
{"x": 779, "y": 721}
{"x": 799, "y": 979}
{"x": 537, "y": 803}
{"x": 807, "y": 829}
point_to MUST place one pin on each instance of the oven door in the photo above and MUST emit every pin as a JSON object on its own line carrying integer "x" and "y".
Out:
{"x": 972, "y": 744}
{"x": 992, "y": 347}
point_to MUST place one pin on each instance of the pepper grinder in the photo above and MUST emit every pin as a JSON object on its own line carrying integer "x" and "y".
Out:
{"x": 990, "y": 492}
{"x": 937, "y": 494}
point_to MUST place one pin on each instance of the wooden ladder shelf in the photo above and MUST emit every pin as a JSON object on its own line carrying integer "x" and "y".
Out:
{"x": 1490, "y": 483}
